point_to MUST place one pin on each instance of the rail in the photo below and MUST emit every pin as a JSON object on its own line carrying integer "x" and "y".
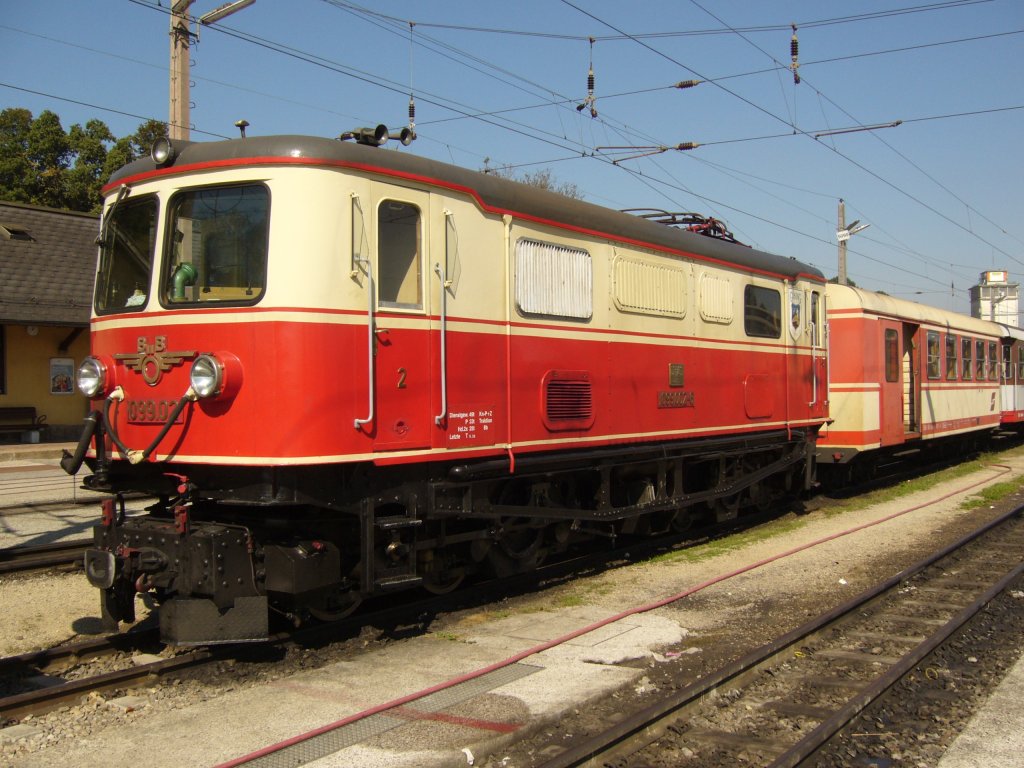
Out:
{"x": 678, "y": 712}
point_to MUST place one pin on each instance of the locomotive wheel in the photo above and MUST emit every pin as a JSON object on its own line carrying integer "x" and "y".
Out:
{"x": 337, "y": 606}
{"x": 440, "y": 572}
{"x": 340, "y": 604}
{"x": 444, "y": 582}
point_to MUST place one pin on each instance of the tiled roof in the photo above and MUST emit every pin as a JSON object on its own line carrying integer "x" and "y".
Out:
{"x": 47, "y": 265}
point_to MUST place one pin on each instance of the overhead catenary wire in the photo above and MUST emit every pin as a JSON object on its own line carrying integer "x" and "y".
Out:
{"x": 578, "y": 149}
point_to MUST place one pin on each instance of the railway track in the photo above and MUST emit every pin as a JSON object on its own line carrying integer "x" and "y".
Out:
{"x": 17, "y": 559}
{"x": 784, "y": 702}
{"x": 40, "y": 681}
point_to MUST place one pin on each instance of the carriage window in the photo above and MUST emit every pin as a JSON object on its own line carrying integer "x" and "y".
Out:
{"x": 554, "y": 280}
{"x": 979, "y": 360}
{"x": 218, "y": 245}
{"x": 965, "y": 368}
{"x": 993, "y": 362}
{"x": 1020, "y": 363}
{"x": 933, "y": 355}
{"x": 126, "y": 256}
{"x": 892, "y": 355}
{"x": 1007, "y": 362}
{"x": 762, "y": 312}
{"x": 950, "y": 357}
{"x": 400, "y": 283}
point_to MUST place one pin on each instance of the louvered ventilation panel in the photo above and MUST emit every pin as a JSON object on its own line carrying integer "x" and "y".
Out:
{"x": 568, "y": 400}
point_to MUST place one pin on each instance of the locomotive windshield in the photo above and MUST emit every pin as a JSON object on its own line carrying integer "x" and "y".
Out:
{"x": 217, "y": 248}
{"x": 126, "y": 255}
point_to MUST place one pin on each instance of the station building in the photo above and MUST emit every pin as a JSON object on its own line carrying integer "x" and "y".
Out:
{"x": 47, "y": 266}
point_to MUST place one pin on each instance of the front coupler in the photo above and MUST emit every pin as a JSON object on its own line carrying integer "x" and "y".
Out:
{"x": 203, "y": 574}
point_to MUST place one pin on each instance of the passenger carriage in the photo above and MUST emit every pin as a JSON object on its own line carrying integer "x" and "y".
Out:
{"x": 905, "y": 377}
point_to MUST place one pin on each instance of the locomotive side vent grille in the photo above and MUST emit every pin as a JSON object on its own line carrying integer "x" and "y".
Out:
{"x": 568, "y": 400}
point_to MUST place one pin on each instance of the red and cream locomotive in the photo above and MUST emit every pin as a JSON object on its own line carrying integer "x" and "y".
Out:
{"x": 343, "y": 370}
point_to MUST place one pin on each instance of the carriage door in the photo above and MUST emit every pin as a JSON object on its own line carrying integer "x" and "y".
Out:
{"x": 891, "y": 394}
{"x": 911, "y": 381}
{"x": 402, "y": 325}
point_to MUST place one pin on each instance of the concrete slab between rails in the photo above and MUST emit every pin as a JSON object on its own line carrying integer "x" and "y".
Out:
{"x": 995, "y": 735}
{"x": 434, "y": 731}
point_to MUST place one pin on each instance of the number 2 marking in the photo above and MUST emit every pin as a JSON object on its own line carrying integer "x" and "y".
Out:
{"x": 401, "y": 378}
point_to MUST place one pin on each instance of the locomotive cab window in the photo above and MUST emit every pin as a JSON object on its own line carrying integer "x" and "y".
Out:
{"x": 400, "y": 278}
{"x": 762, "y": 312}
{"x": 217, "y": 249}
{"x": 934, "y": 360}
{"x": 951, "y": 357}
{"x": 127, "y": 243}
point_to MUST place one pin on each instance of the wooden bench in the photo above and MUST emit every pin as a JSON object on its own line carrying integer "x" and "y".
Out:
{"x": 20, "y": 418}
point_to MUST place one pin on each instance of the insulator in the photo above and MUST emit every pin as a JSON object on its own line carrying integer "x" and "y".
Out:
{"x": 687, "y": 145}
{"x": 412, "y": 109}
{"x": 794, "y": 52}
{"x": 590, "y": 82}
{"x": 688, "y": 83}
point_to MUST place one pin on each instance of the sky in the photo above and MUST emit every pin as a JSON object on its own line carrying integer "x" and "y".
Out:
{"x": 497, "y": 84}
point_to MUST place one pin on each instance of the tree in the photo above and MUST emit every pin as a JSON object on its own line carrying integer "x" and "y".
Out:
{"x": 15, "y": 169}
{"x": 541, "y": 179}
{"x": 42, "y": 164}
{"x": 84, "y": 180}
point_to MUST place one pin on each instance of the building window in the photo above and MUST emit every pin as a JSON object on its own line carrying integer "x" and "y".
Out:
{"x": 892, "y": 355}
{"x": 934, "y": 359}
{"x": 950, "y": 357}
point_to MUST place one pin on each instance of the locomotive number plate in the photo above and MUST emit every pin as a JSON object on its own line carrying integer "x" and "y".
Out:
{"x": 151, "y": 411}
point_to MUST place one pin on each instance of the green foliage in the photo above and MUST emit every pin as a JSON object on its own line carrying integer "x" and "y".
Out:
{"x": 41, "y": 164}
{"x": 543, "y": 179}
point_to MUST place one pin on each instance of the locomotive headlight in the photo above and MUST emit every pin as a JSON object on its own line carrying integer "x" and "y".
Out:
{"x": 216, "y": 374}
{"x": 207, "y": 376}
{"x": 162, "y": 152}
{"x": 92, "y": 377}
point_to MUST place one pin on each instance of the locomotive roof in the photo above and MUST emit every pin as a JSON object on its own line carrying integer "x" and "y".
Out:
{"x": 494, "y": 193}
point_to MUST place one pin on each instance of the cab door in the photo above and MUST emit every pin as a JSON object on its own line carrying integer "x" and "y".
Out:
{"x": 402, "y": 374}
{"x": 819, "y": 356}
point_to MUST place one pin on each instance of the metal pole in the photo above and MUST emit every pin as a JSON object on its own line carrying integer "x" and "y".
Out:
{"x": 178, "y": 123}
{"x": 842, "y": 243}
